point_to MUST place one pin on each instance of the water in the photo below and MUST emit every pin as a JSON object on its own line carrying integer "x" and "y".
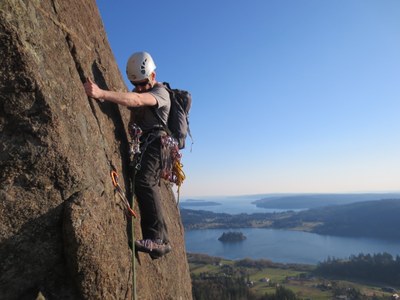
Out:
{"x": 284, "y": 246}
{"x": 234, "y": 205}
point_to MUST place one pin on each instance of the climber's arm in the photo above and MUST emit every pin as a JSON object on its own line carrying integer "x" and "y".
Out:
{"x": 130, "y": 99}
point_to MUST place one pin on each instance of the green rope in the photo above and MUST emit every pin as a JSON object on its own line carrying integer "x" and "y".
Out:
{"x": 133, "y": 261}
{"x": 134, "y": 296}
{"x": 114, "y": 177}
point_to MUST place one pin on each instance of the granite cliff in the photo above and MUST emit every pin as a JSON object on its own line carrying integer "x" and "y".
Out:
{"x": 63, "y": 231}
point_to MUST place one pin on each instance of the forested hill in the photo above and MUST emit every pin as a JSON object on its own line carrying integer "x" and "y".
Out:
{"x": 368, "y": 219}
{"x": 307, "y": 201}
{"x": 376, "y": 219}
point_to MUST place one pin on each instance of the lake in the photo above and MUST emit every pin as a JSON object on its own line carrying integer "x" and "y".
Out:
{"x": 233, "y": 205}
{"x": 283, "y": 246}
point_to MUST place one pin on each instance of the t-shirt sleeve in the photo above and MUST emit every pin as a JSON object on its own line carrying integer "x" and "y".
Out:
{"x": 161, "y": 95}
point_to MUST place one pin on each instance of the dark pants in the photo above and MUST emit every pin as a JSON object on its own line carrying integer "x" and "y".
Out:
{"x": 148, "y": 192}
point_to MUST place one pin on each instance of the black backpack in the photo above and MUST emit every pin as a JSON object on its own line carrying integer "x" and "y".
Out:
{"x": 178, "y": 119}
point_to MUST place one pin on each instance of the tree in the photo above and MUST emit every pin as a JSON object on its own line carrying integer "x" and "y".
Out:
{"x": 281, "y": 293}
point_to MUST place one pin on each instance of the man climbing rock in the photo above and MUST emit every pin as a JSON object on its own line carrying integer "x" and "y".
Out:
{"x": 146, "y": 101}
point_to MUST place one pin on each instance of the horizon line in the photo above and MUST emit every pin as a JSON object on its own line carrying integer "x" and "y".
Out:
{"x": 289, "y": 193}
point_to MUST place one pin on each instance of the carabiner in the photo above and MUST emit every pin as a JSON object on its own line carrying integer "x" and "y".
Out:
{"x": 114, "y": 178}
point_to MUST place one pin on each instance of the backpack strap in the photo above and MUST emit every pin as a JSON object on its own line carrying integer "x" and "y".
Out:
{"x": 154, "y": 110}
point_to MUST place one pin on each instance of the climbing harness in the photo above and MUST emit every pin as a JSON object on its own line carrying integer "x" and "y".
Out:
{"x": 172, "y": 168}
{"x": 114, "y": 178}
{"x": 139, "y": 143}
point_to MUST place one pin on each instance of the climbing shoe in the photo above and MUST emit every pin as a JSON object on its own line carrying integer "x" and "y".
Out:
{"x": 156, "y": 248}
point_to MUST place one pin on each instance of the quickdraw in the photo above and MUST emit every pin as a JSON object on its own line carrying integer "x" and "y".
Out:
{"x": 134, "y": 145}
{"x": 114, "y": 178}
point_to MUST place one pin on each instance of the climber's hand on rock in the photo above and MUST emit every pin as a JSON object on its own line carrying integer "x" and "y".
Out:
{"x": 92, "y": 89}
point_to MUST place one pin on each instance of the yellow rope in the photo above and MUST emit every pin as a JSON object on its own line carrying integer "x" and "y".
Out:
{"x": 180, "y": 176}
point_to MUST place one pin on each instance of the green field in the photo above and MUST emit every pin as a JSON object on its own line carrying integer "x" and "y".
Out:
{"x": 297, "y": 278}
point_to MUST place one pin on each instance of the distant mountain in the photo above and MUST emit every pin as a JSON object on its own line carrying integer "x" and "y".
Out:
{"x": 193, "y": 202}
{"x": 319, "y": 200}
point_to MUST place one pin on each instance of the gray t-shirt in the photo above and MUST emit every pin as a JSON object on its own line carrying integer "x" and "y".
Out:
{"x": 144, "y": 116}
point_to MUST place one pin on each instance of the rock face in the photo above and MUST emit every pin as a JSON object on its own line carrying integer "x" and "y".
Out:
{"x": 63, "y": 231}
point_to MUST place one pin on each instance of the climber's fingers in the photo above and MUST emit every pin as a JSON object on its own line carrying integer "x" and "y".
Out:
{"x": 91, "y": 89}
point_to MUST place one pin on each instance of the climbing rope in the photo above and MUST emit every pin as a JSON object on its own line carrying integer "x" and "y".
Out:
{"x": 135, "y": 132}
{"x": 130, "y": 212}
{"x": 172, "y": 168}
{"x": 134, "y": 296}
{"x": 179, "y": 176}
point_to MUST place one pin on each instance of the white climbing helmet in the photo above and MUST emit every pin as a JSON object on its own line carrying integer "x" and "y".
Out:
{"x": 139, "y": 66}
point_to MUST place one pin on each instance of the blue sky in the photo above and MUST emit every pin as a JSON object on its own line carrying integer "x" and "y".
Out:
{"x": 289, "y": 96}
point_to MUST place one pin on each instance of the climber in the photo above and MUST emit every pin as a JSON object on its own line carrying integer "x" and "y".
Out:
{"x": 147, "y": 95}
